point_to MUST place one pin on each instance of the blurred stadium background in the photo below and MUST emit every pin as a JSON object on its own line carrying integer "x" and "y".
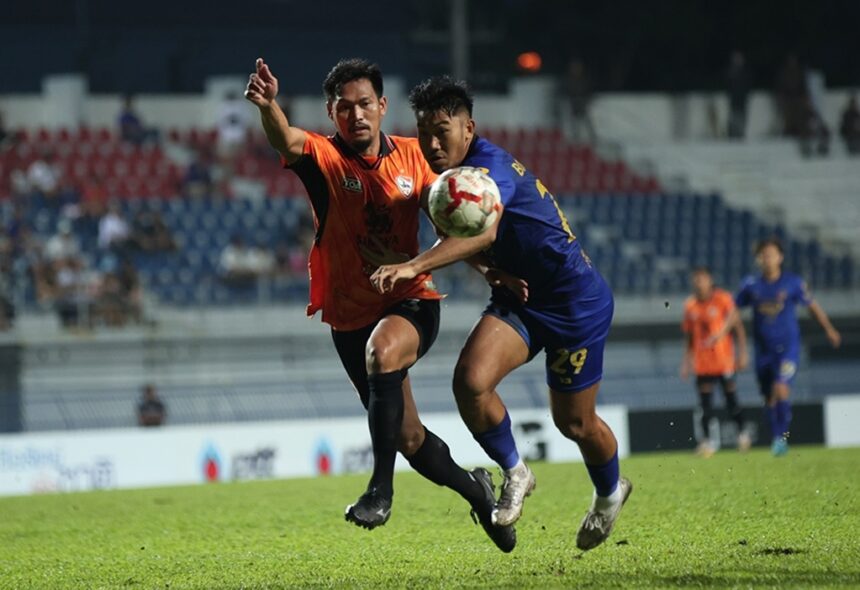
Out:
{"x": 673, "y": 135}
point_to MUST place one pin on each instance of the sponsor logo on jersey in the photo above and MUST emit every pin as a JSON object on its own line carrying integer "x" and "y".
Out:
{"x": 351, "y": 184}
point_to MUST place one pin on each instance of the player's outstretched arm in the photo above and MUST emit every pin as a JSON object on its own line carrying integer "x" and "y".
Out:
{"x": 820, "y": 316}
{"x": 733, "y": 318}
{"x": 262, "y": 90}
{"x": 444, "y": 252}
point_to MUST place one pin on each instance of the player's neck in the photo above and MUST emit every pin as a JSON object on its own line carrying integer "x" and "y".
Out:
{"x": 705, "y": 296}
{"x": 773, "y": 276}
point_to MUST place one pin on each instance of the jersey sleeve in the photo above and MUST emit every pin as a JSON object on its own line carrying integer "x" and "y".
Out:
{"x": 802, "y": 294}
{"x": 686, "y": 321}
{"x": 314, "y": 148}
{"x": 500, "y": 173}
{"x": 743, "y": 298}
{"x": 727, "y": 304}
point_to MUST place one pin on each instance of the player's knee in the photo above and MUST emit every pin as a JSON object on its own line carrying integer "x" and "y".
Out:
{"x": 381, "y": 356}
{"x": 578, "y": 428}
{"x": 410, "y": 440}
{"x": 469, "y": 381}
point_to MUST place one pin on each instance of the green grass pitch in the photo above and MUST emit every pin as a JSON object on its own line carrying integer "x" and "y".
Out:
{"x": 732, "y": 521}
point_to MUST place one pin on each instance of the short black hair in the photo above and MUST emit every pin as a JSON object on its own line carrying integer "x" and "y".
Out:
{"x": 348, "y": 70}
{"x": 771, "y": 241}
{"x": 441, "y": 93}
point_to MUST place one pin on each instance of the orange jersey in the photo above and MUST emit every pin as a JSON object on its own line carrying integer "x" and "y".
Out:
{"x": 703, "y": 319}
{"x": 366, "y": 214}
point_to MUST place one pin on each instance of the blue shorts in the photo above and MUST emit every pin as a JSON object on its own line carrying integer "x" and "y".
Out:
{"x": 572, "y": 335}
{"x": 776, "y": 366}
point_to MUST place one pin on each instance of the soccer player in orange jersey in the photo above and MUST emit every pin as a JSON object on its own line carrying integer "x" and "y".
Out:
{"x": 710, "y": 352}
{"x": 365, "y": 188}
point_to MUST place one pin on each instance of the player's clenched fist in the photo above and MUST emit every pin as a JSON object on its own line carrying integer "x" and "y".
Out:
{"x": 262, "y": 85}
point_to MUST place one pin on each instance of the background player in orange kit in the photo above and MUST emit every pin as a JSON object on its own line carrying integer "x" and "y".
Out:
{"x": 365, "y": 188}
{"x": 710, "y": 353}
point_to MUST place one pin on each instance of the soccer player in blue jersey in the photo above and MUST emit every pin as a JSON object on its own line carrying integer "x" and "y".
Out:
{"x": 546, "y": 295}
{"x": 773, "y": 296}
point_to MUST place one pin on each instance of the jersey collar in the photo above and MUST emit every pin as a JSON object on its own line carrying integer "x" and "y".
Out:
{"x": 386, "y": 147}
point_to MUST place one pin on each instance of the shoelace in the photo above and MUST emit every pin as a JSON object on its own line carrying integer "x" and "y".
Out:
{"x": 594, "y": 521}
{"x": 510, "y": 495}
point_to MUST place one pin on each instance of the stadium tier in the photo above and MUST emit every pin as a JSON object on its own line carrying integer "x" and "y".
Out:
{"x": 643, "y": 240}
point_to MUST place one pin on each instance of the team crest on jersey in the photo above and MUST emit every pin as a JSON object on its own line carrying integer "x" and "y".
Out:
{"x": 351, "y": 184}
{"x": 405, "y": 184}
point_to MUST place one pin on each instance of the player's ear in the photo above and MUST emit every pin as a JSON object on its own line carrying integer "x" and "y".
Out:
{"x": 470, "y": 128}
{"x": 383, "y": 106}
{"x": 328, "y": 109}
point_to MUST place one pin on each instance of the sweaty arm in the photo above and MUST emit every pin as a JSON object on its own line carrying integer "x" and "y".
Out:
{"x": 262, "y": 90}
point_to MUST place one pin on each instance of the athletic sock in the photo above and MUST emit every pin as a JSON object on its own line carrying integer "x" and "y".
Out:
{"x": 707, "y": 414}
{"x": 783, "y": 412}
{"x": 772, "y": 420}
{"x": 384, "y": 417}
{"x": 735, "y": 411}
{"x": 498, "y": 443}
{"x": 433, "y": 461}
{"x": 605, "y": 477}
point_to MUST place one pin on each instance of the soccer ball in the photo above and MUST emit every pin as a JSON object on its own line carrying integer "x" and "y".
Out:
{"x": 464, "y": 202}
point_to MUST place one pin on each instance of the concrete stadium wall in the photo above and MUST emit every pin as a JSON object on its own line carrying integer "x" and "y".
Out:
{"x": 531, "y": 103}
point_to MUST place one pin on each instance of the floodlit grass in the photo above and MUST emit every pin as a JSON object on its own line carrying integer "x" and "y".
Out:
{"x": 732, "y": 521}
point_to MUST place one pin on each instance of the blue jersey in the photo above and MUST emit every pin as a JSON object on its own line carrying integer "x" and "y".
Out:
{"x": 775, "y": 326}
{"x": 569, "y": 308}
{"x": 534, "y": 240}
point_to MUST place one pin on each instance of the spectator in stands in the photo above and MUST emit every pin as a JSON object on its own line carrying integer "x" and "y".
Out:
{"x": 131, "y": 127}
{"x": 814, "y": 133}
{"x": 791, "y": 91}
{"x": 73, "y": 290}
{"x": 577, "y": 93}
{"x": 241, "y": 265}
{"x": 738, "y": 84}
{"x": 62, "y": 245}
{"x": 44, "y": 177}
{"x": 232, "y": 126}
{"x": 119, "y": 297}
{"x": 849, "y": 128}
{"x": 149, "y": 233}
{"x": 151, "y": 411}
{"x": 114, "y": 232}
{"x": 197, "y": 181}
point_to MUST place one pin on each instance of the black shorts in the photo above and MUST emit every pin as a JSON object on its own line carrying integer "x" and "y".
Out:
{"x": 351, "y": 345}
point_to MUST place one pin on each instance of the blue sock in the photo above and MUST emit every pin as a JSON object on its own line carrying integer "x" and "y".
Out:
{"x": 783, "y": 412}
{"x": 498, "y": 443}
{"x": 773, "y": 420}
{"x": 604, "y": 477}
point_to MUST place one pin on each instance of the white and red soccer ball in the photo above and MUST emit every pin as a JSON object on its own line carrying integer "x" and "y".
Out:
{"x": 464, "y": 202}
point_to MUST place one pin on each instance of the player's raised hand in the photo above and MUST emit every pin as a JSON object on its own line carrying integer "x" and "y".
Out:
{"x": 262, "y": 85}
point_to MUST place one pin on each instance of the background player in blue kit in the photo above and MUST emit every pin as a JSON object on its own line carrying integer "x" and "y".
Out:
{"x": 546, "y": 296}
{"x": 773, "y": 296}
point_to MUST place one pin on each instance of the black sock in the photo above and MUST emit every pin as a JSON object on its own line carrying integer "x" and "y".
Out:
{"x": 735, "y": 411}
{"x": 433, "y": 461}
{"x": 384, "y": 417}
{"x": 705, "y": 400}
